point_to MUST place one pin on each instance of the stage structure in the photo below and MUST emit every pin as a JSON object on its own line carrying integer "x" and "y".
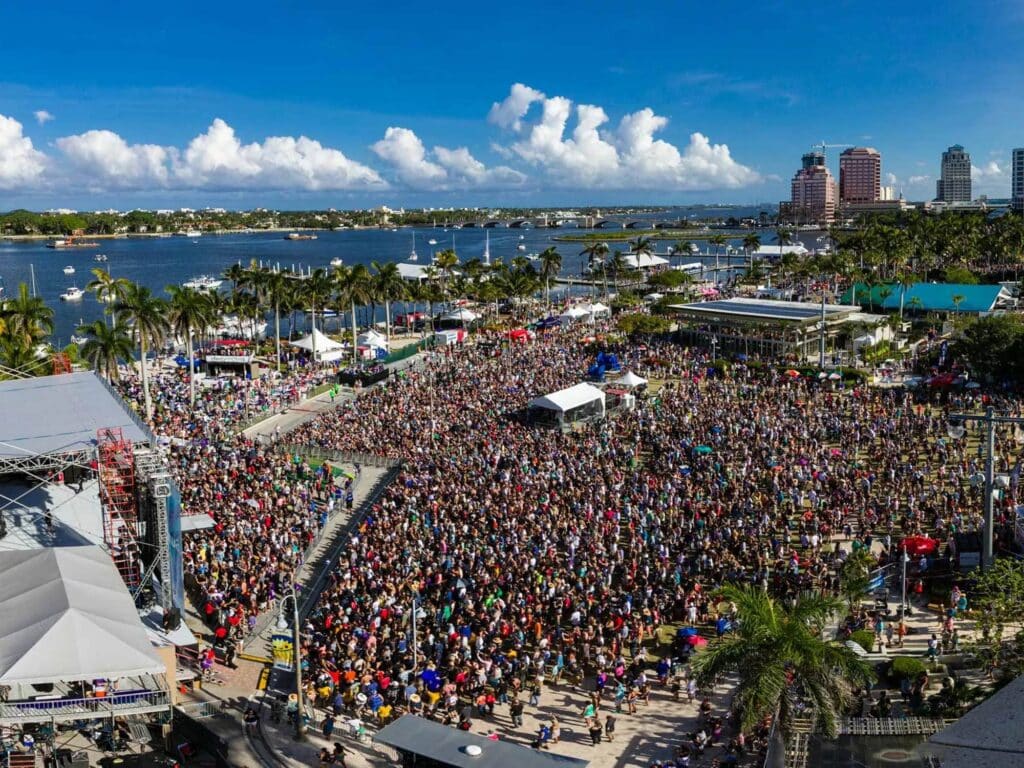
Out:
{"x": 74, "y": 430}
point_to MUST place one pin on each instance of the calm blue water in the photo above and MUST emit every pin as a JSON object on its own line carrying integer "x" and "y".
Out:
{"x": 158, "y": 262}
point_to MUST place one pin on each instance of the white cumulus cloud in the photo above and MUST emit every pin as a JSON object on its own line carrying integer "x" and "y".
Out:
{"x": 628, "y": 156}
{"x": 509, "y": 113}
{"x": 440, "y": 169}
{"x": 216, "y": 159}
{"x": 42, "y": 116}
{"x": 404, "y": 151}
{"x": 21, "y": 164}
{"x": 219, "y": 159}
{"x": 105, "y": 158}
{"x": 988, "y": 172}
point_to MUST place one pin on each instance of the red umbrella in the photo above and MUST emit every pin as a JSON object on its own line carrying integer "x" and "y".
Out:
{"x": 920, "y": 545}
{"x": 696, "y": 641}
{"x": 793, "y": 374}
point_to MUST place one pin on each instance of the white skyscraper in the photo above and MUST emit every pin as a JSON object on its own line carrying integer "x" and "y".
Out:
{"x": 1017, "y": 179}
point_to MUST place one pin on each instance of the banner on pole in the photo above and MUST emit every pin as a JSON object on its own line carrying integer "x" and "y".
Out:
{"x": 283, "y": 651}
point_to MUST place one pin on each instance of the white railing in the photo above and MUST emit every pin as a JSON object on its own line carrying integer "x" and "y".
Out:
{"x": 113, "y": 704}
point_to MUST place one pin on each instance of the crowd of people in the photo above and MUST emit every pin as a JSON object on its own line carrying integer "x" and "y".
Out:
{"x": 532, "y": 557}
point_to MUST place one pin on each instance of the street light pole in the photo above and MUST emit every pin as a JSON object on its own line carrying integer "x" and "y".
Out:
{"x": 989, "y": 419}
{"x": 300, "y": 715}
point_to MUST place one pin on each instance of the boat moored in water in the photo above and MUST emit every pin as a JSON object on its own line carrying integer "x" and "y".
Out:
{"x": 203, "y": 283}
{"x": 72, "y": 294}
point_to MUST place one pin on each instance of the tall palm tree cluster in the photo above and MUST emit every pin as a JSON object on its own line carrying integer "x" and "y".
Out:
{"x": 25, "y": 323}
{"x": 925, "y": 245}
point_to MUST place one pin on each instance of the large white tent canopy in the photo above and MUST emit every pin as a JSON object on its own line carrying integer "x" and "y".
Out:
{"x": 326, "y": 347}
{"x": 570, "y": 399}
{"x": 372, "y": 339}
{"x": 67, "y": 615}
{"x": 643, "y": 260}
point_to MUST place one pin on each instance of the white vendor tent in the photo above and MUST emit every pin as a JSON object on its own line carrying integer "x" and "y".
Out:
{"x": 579, "y": 402}
{"x": 372, "y": 339}
{"x": 597, "y": 309}
{"x": 326, "y": 347}
{"x": 643, "y": 260}
{"x": 68, "y": 616}
{"x": 463, "y": 315}
{"x": 572, "y": 314}
{"x": 630, "y": 380}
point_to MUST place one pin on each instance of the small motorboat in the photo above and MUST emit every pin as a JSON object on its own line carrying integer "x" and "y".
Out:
{"x": 69, "y": 270}
{"x": 100, "y": 257}
{"x": 520, "y": 247}
{"x": 431, "y": 241}
{"x": 337, "y": 261}
{"x": 72, "y": 294}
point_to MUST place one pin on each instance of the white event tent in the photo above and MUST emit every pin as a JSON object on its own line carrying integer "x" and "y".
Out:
{"x": 326, "y": 348}
{"x": 372, "y": 339}
{"x": 68, "y": 616}
{"x": 630, "y": 380}
{"x": 643, "y": 260}
{"x": 572, "y": 314}
{"x": 568, "y": 405}
{"x": 462, "y": 315}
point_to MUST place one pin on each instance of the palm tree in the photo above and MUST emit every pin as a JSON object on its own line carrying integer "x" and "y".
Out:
{"x": 105, "y": 347}
{"x": 236, "y": 273}
{"x": 550, "y": 265}
{"x": 354, "y": 288}
{"x": 277, "y": 288}
{"x": 145, "y": 313}
{"x": 19, "y": 358}
{"x": 188, "y": 312}
{"x": 719, "y": 241}
{"x": 617, "y": 264}
{"x": 28, "y": 318}
{"x": 682, "y": 247}
{"x": 389, "y": 286}
{"x": 446, "y": 261}
{"x": 107, "y": 288}
{"x": 315, "y": 291}
{"x": 750, "y": 244}
{"x": 778, "y": 654}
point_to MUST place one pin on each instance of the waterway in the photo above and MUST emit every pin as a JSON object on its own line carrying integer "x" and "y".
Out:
{"x": 158, "y": 262}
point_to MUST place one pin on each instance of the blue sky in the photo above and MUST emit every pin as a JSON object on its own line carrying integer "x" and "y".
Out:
{"x": 662, "y": 102}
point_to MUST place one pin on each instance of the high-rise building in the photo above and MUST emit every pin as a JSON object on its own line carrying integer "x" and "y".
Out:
{"x": 954, "y": 186}
{"x": 860, "y": 175}
{"x": 1017, "y": 180}
{"x": 813, "y": 191}
{"x": 812, "y": 160}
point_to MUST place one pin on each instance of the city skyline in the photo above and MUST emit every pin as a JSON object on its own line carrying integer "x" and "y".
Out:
{"x": 314, "y": 108}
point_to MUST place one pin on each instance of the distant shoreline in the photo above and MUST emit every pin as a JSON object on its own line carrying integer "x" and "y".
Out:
{"x": 166, "y": 235}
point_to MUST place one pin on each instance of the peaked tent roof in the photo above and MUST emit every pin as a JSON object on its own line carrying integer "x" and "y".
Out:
{"x": 68, "y": 616}
{"x": 643, "y": 260}
{"x": 576, "y": 311}
{"x": 567, "y": 399}
{"x": 630, "y": 379}
{"x": 323, "y": 343}
{"x": 372, "y": 339}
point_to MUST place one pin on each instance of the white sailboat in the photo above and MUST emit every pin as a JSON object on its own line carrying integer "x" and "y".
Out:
{"x": 412, "y": 253}
{"x": 487, "y": 249}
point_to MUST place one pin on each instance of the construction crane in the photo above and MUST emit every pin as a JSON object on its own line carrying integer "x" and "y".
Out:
{"x": 822, "y": 145}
